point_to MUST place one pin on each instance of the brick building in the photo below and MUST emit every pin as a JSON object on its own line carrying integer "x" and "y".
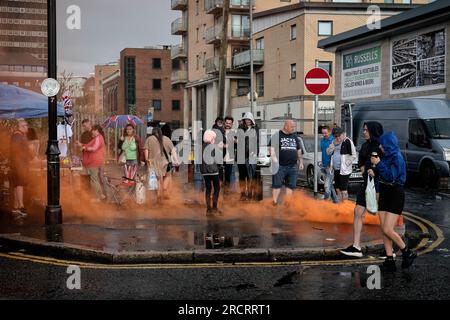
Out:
{"x": 145, "y": 82}
{"x": 23, "y": 43}
{"x": 102, "y": 71}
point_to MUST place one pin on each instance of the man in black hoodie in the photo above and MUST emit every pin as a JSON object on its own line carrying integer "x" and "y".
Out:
{"x": 372, "y": 131}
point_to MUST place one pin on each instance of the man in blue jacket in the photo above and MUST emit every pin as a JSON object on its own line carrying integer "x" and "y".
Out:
{"x": 325, "y": 142}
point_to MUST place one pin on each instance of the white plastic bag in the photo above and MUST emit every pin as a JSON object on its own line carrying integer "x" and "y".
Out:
{"x": 140, "y": 193}
{"x": 152, "y": 180}
{"x": 371, "y": 196}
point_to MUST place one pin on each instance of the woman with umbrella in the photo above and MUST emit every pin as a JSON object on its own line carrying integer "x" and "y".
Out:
{"x": 131, "y": 149}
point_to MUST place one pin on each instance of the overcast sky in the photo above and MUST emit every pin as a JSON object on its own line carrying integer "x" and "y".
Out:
{"x": 107, "y": 27}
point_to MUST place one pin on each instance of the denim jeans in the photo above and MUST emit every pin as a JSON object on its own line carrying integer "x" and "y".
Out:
{"x": 329, "y": 187}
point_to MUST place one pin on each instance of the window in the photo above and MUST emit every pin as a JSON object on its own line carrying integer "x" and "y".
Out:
{"x": 325, "y": 28}
{"x": 156, "y": 84}
{"x": 175, "y": 64}
{"x": 175, "y": 87}
{"x": 196, "y": 7}
{"x": 243, "y": 87}
{"x": 175, "y": 105}
{"x": 293, "y": 71}
{"x": 418, "y": 134}
{"x": 157, "y": 105}
{"x": 130, "y": 83}
{"x": 327, "y": 65}
{"x": 260, "y": 84}
{"x": 260, "y": 44}
{"x": 156, "y": 63}
{"x": 240, "y": 26}
{"x": 293, "y": 32}
{"x": 197, "y": 33}
{"x": 197, "y": 58}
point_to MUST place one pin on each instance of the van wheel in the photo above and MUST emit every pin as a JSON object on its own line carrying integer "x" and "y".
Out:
{"x": 310, "y": 176}
{"x": 428, "y": 174}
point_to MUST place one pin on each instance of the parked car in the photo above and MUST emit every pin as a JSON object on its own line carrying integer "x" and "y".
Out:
{"x": 422, "y": 126}
{"x": 307, "y": 174}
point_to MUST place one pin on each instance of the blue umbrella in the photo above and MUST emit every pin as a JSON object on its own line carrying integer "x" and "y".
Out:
{"x": 18, "y": 103}
{"x": 120, "y": 121}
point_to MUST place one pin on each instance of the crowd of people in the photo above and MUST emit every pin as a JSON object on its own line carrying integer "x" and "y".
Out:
{"x": 379, "y": 159}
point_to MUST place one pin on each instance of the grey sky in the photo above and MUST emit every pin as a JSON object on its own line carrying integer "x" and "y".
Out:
{"x": 107, "y": 27}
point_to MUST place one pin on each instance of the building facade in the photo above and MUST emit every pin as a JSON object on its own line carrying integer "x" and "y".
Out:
{"x": 110, "y": 93}
{"x": 145, "y": 84}
{"x": 407, "y": 57}
{"x": 23, "y": 27}
{"x": 285, "y": 50}
{"x": 102, "y": 72}
{"x": 200, "y": 26}
{"x": 23, "y": 43}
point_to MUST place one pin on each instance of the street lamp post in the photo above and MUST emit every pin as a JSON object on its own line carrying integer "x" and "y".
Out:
{"x": 53, "y": 211}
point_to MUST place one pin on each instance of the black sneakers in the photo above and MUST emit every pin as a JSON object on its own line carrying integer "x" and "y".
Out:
{"x": 389, "y": 265}
{"x": 383, "y": 255}
{"x": 352, "y": 252}
{"x": 408, "y": 257}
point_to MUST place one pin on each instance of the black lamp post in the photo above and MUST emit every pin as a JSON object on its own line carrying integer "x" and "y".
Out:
{"x": 53, "y": 211}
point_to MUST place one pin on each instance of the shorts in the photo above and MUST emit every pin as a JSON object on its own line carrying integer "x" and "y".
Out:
{"x": 341, "y": 181}
{"x": 286, "y": 175}
{"x": 392, "y": 198}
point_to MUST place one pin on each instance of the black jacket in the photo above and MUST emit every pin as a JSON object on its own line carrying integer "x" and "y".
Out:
{"x": 372, "y": 145}
{"x": 241, "y": 136}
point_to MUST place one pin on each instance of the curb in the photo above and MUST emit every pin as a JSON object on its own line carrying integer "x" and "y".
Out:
{"x": 84, "y": 254}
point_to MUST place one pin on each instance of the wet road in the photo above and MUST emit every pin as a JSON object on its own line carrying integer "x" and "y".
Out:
{"x": 429, "y": 277}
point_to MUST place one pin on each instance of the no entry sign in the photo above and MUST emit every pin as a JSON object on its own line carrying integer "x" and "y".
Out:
{"x": 317, "y": 81}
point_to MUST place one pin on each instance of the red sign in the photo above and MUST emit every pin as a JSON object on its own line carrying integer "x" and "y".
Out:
{"x": 317, "y": 81}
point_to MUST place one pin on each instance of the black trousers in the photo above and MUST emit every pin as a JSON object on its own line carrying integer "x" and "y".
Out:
{"x": 210, "y": 183}
{"x": 228, "y": 173}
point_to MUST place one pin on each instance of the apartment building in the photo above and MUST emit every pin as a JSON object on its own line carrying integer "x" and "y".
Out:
{"x": 102, "y": 71}
{"x": 23, "y": 43}
{"x": 200, "y": 26}
{"x": 23, "y": 27}
{"x": 285, "y": 42}
{"x": 145, "y": 84}
{"x": 285, "y": 35}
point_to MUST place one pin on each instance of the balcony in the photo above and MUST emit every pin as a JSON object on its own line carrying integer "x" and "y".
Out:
{"x": 242, "y": 59}
{"x": 179, "y": 27}
{"x": 212, "y": 65}
{"x": 216, "y": 6}
{"x": 212, "y": 34}
{"x": 179, "y": 76}
{"x": 178, "y": 52}
{"x": 179, "y": 4}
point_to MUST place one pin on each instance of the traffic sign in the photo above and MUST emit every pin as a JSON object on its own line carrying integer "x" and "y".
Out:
{"x": 317, "y": 81}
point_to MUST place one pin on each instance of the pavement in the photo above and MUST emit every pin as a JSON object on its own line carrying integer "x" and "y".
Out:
{"x": 178, "y": 231}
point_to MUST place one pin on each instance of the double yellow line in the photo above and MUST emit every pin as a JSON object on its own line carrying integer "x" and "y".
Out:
{"x": 421, "y": 248}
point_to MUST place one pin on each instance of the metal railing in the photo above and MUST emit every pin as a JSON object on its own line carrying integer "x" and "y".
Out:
{"x": 179, "y": 76}
{"x": 213, "y": 33}
{"x": 178, "y": 4}
{"x": 179, "y": 25}
{"x": 242, "y": 59}
{"x": 177, "y": 51}
{"x": 240, "y": 32}
{"x": 212, "y": 65}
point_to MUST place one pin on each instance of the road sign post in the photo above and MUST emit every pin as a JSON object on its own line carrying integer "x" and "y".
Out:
{"x": 317, "y": 81}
